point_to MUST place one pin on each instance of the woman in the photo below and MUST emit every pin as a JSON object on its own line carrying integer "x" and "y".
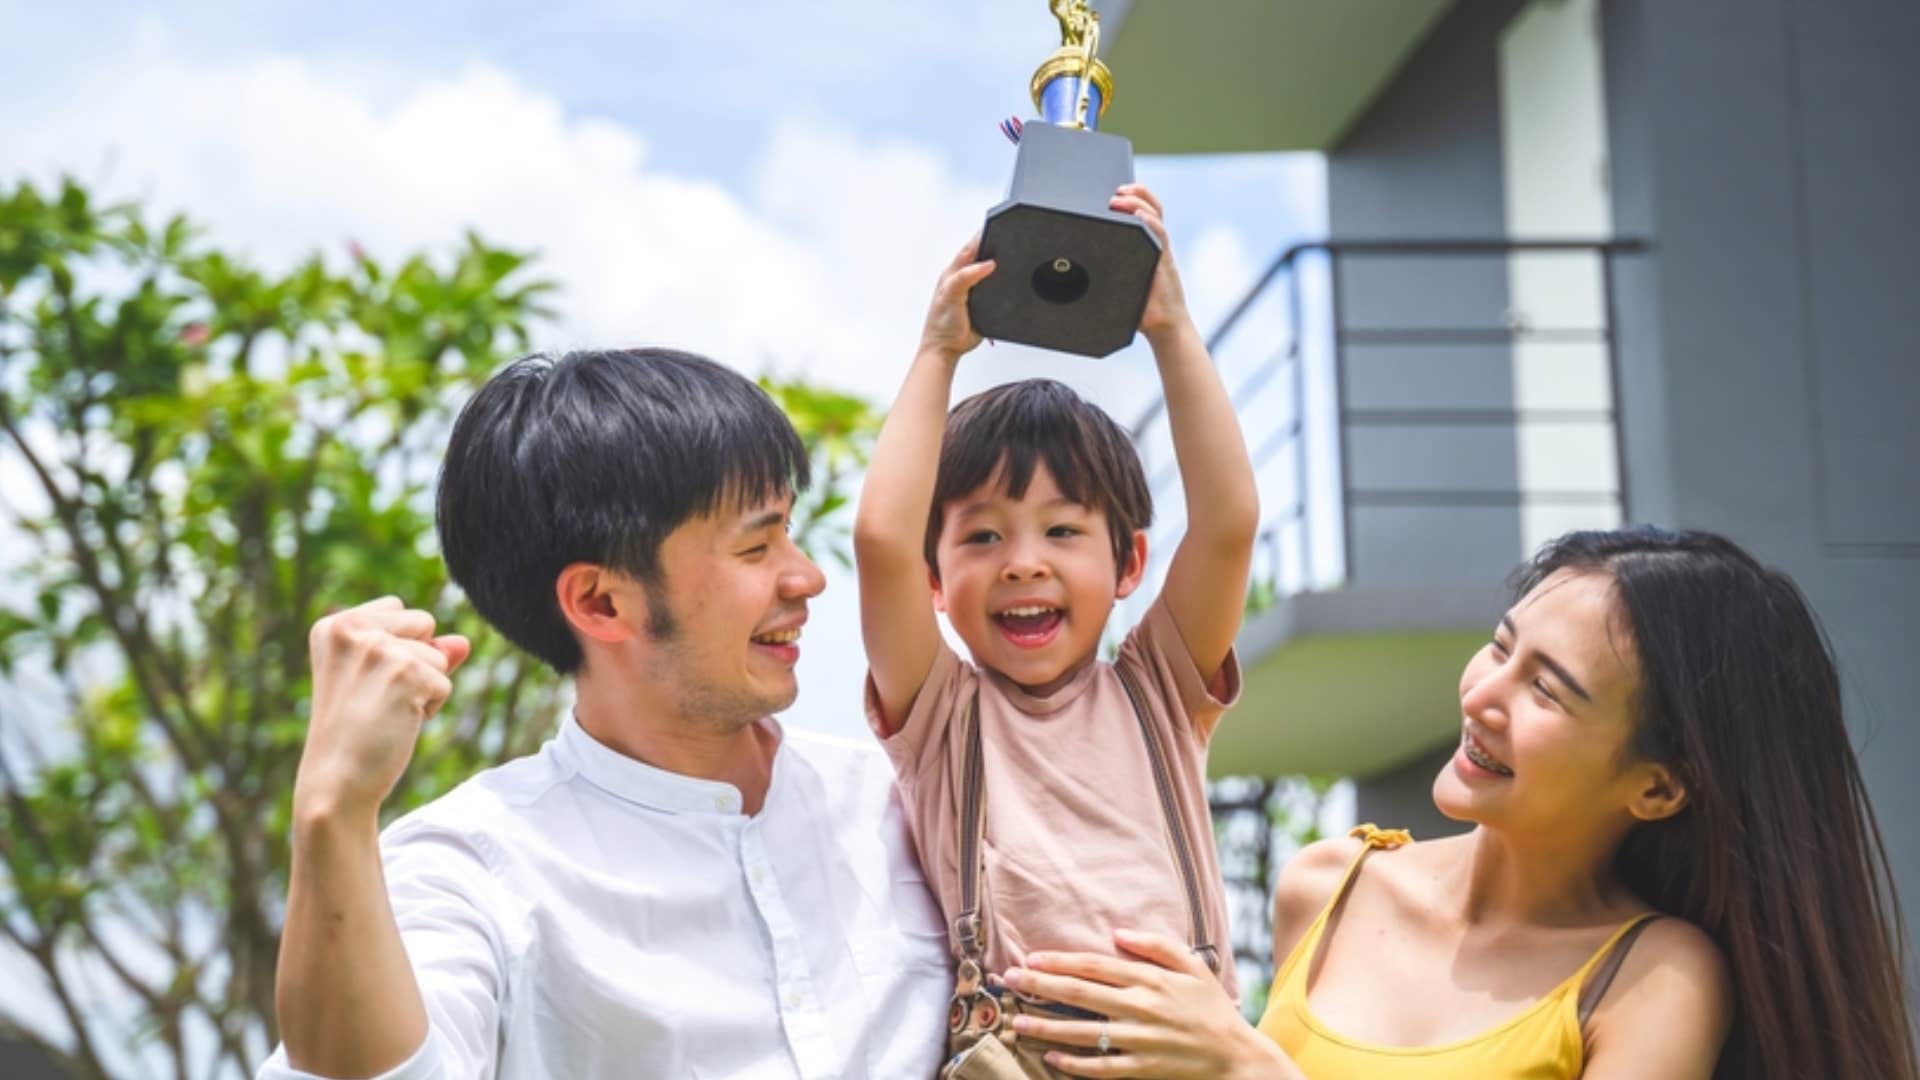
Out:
{"x": 1674, "y": 871}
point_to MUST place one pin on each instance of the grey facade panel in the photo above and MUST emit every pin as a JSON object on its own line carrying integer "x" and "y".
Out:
{"x": 1435, "y": 458}
{"x": 1467, "y": 376}
{"x": 1424, "y": 547}
{"x": 1858, "y": 81}
{"x": 1424, "y": 293}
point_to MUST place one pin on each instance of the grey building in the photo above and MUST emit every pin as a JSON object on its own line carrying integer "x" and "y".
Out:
{"x": 1590, "y": 261}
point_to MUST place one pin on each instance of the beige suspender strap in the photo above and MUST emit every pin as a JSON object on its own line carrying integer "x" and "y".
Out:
{"x": 967, "y": 944}
{"x": 1176, "y": 825}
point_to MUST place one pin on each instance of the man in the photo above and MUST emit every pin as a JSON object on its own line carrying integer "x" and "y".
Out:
{"x": 673, "y": 886}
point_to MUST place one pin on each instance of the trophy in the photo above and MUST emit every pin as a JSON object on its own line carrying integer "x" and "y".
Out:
{"x": 1072, "y": 275}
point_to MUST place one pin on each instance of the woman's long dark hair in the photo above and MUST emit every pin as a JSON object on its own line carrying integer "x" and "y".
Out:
{"x": 1777, "y": 854}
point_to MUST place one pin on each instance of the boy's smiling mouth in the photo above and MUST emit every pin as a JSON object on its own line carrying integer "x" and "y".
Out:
{"x": 1029, "y": 625}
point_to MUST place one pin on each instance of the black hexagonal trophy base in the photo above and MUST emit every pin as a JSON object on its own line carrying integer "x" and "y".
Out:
{"x": 1072, "y": 274}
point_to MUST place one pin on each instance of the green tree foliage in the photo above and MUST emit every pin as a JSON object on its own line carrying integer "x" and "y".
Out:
{"x": 216, "y": 456}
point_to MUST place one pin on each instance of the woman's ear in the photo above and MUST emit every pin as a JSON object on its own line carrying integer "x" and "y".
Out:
{"x": 1659, "y": 794}
{"x": 1135, "y": 568}
{"x": 594, "y": 603}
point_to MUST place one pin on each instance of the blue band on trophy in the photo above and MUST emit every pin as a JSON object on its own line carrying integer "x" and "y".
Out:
{"x": 1060, "y": 102}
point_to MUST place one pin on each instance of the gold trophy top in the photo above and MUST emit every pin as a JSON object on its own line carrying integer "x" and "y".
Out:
{"x": 1079, "y": 37}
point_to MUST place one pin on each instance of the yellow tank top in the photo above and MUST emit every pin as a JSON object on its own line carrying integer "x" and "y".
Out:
{"x": 1542, "y": 1043}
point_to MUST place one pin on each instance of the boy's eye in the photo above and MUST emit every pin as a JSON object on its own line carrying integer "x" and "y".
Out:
{"x": 1499, "y": 650}
{"x": 757, "y": 549}
{"x": 980, "y": 536}
{"x": 1540, "y": 687}
{"x": 1063, "y": 530}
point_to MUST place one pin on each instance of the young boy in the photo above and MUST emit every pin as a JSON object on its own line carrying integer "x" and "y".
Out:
{"x": 1028, "y": 521}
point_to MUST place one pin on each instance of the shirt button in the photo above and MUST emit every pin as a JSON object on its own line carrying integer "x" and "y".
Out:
{"x": 719, "y": 802}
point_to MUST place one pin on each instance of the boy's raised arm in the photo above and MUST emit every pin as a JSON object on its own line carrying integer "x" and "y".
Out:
{"x": 1206, "y": 586}
{"x": 896, "y": 606}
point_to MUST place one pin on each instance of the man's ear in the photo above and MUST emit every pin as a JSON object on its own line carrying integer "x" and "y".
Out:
{"x": 595, "y": 602}
{"x": 1135, "y": 567}
{"x": 1660, "y": 794}
{"x": 939, "y": 594}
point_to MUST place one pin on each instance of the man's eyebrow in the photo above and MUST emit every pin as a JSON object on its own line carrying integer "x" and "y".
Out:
{"x": 763, "y": 522}
{"x": 1551, "y": 664}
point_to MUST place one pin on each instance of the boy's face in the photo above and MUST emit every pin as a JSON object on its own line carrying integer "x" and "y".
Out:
{"x": 1028, "y": 583}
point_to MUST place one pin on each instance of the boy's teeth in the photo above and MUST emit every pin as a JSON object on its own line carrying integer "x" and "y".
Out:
{"x": 1028, "y": 611}
{"x": 784, "y": 637}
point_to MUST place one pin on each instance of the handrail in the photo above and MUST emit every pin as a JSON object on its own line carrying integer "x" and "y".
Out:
{"x": 1298, "y": 345}
{"x": 1454, "y": 246}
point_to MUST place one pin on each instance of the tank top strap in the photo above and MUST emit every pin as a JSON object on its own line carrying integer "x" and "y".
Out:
{"x": 1376, "y": 837}
{"x": 1591, "y": 981}
{"x": 1373, "y": 838}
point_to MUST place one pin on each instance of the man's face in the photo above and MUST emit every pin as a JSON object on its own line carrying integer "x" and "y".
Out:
{"x": 725, "y": 615}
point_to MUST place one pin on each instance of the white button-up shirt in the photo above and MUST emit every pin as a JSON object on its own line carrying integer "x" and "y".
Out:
{"x": 578, "y": 913}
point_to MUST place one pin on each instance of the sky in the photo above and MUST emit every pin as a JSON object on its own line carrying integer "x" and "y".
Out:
{"x": 773, "y": 184}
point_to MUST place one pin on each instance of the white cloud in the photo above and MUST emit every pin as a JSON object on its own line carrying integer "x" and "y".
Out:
{"x": 823, "y": 272}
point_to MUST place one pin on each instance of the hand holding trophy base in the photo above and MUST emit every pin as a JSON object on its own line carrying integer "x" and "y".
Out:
{"x": 1073, "y": 275}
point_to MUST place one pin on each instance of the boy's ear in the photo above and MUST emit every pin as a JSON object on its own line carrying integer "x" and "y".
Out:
{"x": 1660, "y": 793}
{"x": 939, "y": 594}
{"x": 595, "y": 602}
{"x": 1135, "y": 567}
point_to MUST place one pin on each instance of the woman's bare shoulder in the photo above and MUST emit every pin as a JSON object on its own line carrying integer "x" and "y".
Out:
{"x": 1668, "y": 1009}
{"x": 1672, "y": 957}
{"x": 1307, "y": 882}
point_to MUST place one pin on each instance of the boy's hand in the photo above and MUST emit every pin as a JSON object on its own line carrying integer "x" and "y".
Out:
{"x": 1166, "y": 302}
{"x": 949, "y": 330}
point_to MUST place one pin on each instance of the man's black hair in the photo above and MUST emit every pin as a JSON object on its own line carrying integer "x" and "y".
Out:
{"x": 595, "y": 457}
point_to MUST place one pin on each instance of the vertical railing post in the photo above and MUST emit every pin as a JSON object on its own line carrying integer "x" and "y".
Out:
{"x": 1301, "y": 482}
{"x": 1335, "y": 290}
{"x": 1616, "y": 390}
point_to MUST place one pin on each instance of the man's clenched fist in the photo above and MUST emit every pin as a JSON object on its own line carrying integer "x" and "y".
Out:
{"x": 378, "y": 674}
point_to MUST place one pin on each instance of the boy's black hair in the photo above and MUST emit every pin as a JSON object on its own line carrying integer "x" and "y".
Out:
{"x": 595, "y": 457}
{"x": 1012, "y": 427}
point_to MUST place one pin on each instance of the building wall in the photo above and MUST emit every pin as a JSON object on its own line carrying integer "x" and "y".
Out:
{"x": 1768, "y": 147}
{"x": 1424, "y": 163}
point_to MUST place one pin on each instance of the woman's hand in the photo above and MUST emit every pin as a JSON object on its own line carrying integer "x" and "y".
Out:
{"x": 1170, "y": 1017}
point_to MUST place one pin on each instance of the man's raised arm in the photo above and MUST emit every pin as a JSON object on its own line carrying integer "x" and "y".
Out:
{"x": 346, "y": 997}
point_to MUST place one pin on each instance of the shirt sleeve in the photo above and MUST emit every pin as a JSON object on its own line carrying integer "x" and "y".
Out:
{"x": 1156, "y": 653}
{"x": 447, "y": 906}
{"x": 920, "y": 745}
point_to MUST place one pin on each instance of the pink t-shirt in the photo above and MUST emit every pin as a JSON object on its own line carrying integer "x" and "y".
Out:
{"x": 1076, "y": 842}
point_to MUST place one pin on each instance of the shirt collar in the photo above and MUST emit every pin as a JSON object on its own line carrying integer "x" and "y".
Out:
{"x": 646, "y": 785}
{"x": 1036, "y": 705}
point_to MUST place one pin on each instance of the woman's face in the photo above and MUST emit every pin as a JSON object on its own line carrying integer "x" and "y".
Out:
{"x": 1547, "y": 710}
